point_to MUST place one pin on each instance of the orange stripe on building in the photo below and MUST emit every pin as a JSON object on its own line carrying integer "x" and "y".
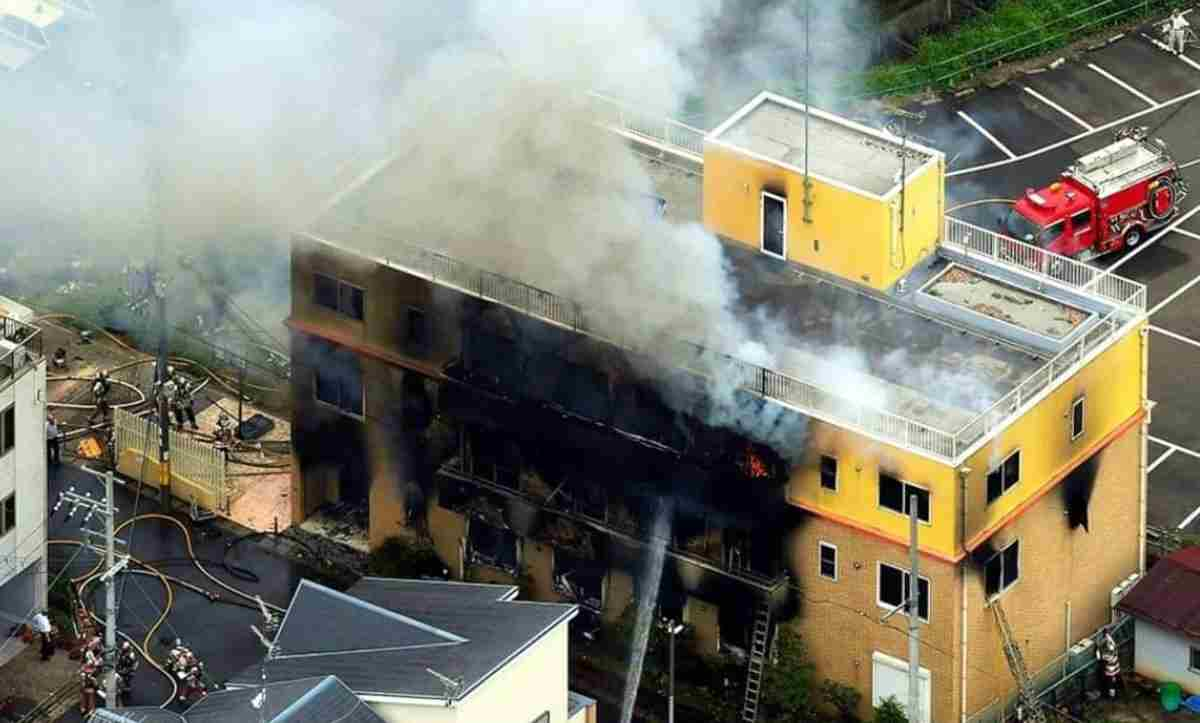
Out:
{"x": 366, "y": 349}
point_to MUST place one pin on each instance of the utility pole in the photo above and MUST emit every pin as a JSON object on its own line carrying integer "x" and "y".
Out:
{"x": 914, "y": 624}
{"x": 112, "y": 566}
{"x": 912, "y": 608}
{"x": 160, "y": 379}
{"x": 672, "y": 628}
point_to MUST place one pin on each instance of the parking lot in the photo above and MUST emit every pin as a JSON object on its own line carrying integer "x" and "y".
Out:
{"x": 1003, "y": 140}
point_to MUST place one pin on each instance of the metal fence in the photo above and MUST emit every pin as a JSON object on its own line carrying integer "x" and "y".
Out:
{"x": 1066, "y": 678}
{"x": 971, "y": 240}
{"x": 28, "y": 349}
{"x": 627, "y": 119}
{"x": 752, "y": 378}
{"x": 197, "y": 468}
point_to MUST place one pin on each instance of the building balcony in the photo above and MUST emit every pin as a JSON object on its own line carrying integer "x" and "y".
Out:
{"x": 20, "y": 348}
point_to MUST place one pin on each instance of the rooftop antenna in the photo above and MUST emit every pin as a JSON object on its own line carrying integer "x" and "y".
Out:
{"x": 453, "y": 686}
{"x": 898, "y": 126}
{"x": 807, "y": 59}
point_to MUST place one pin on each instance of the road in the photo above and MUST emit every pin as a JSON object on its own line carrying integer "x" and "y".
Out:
{"x": 1022, "y": 134}
{"x": 218, "y": 632}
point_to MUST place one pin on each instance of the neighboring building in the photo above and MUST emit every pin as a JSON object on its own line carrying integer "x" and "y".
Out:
{"x": 1003, "y": 386}
{"x": 22, "y": 467}
{"x": 23, "y": 28}
{"x": 506, "y": 658}
{"x": 310, "y": 700}
{"x": 1165, "y": 605}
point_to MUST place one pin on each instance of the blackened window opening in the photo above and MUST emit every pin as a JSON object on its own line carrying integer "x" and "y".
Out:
{"x": 894, "y": 590}
{"x": 8, "y": 428}
{"x": 1077, "y": 418}
{"x": 894, "y": 495}
{"x": 828, "y": 561}
{"x": 829, "y": 470}
{"x": 418, "y": 335}
{"x": 337, "y": 295}
{"x": 338, "y": 378}
{"x": 1003, "y": 570}
{"x": 1004, "y": 477}
{"x": 491, "y": 545}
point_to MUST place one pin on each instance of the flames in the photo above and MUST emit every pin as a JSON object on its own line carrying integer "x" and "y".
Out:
{"x": 755, "y": 466}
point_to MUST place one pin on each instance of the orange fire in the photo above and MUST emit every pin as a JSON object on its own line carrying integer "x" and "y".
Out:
{"x": 755, "y": 466}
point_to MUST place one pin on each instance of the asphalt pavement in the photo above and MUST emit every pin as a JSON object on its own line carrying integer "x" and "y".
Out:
{"x": 219, "y": 632}
{"x": 1004, "y": 140}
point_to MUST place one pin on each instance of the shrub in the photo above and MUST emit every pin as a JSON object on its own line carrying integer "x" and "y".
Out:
{"x": 890, "y": 711}
{"x": 843, "y": 699}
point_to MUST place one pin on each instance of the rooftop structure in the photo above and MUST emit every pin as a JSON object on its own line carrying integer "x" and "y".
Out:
{"x": 20, "y": 348}
{"x": 938, "y": 374}
{"x": 771, "y": 128}
{"x": 1169, "y": 594}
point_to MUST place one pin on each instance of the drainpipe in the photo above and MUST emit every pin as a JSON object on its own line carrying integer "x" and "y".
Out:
{"x": 963, "y": 472}
{"x": 1145, "y": 451}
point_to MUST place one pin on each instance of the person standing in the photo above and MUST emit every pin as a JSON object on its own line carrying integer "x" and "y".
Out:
{"x": 53, "y": 441}
{"x": 1177, "y": 32}
{"x": 127, "y": 665}
{"x": 1110, "y": 660}
{"x": 100, "y": 389}
{"x": 89, "y": 674}
{"x": 41, "y": 626}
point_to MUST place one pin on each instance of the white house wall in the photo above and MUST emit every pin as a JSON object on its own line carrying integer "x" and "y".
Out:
{"x": 1162, "y": 655}
{"x": 24, "y": 470}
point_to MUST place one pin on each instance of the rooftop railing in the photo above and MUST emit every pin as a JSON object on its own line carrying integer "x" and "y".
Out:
{"x": 971, "y": 240}
{"x": 28, "y": 349}
{"x": 651, "y": 126}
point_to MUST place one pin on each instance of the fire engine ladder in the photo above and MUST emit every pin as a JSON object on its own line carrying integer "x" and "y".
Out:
{"x": 758, "y": 655}
{"x": 1016, "y": 664}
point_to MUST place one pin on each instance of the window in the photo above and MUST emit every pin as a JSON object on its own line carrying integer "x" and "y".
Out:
{"x": 1076, "y": 419}
{"x": 1003, "y": 570}
{"x": 774, "y": 225}
{"x": 894, "y": 494}
{"x": 1194, "y": 660}
{"x": 894, "y": 590}
{"x": 829, "y": 467}
{"x": 337, "y": 379}
{"x": 1082, "y": 220}
{"x": 8, "y": 430}
{"x": 338, "y": 296}
{"x": 828, "y": 561}
{"x": 1005, "y": 477}
{"x": 1052, "y": 233}
{"x": 418, "y": 329}
{"x": 8, "y": 514}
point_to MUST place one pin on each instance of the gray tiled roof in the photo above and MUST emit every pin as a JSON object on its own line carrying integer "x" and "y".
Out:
{"x": 308, "y": 700}
{"x": 493, "y": 628}
{"x": 147, "y": 714}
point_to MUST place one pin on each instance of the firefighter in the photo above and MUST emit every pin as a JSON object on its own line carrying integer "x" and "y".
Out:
{"x": 188, "y": 671}
{"x": 89, "y": 674}
{"x": 1110, "y": 659}
{"x": 1177, "y": 32}
{"x": 224, "y": 434}
{"x": 127, "y": 665}
{"x": 60, "y": 359}
{"x": 169, "y": 393}
{"x": 185, "y": 403}
{"x": 100, "y": 389}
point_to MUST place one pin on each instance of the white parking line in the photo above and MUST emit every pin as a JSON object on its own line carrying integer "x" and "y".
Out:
{"x": 1057, "y": 107}
{"x": 1163, "y": 46}
{"x": 1123, "y": 84}
{"x": 1147, "y": 244}
{"x": 1173, "y": 335}
{"x": 1188, "y": 520}
{"x": 1160, "y": 459}
{"x": 1189, "y": 164}
{"x": 970, "y": 121}
{"x": 1185, "y": 232}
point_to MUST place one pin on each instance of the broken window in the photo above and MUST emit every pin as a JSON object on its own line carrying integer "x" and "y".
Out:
{"x": 579, "y": 579}
{"x": 1003, "y": 570}
{"x": 1004, "y": 477}
{"x": 417, "y": 336}
{"x": 828, "y": 563}
{"x": 454, "y": 494}
{"x": 337, "y": 379}
{"x": 1077, "y": 419}
{"x": 495, "y": 459}
{"x": 894, "y": 495}
{"x": 894, "y": 590}
{"x": 337, "y": 295}
{"x": 488, "y": 544}
{"x": 829, "y": 470}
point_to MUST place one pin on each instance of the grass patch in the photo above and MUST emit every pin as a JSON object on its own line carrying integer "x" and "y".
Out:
{"x": 1014, "y": 30}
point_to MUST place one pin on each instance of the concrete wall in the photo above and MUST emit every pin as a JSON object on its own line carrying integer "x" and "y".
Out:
{"x": 23, "y": 472}
{"x": 1164, "y": 655}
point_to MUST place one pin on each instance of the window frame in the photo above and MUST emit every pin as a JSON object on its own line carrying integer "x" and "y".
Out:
{"x": 340, "y": 286}
{"x": 821, "y": 472}
{"x": 1000, "y": 556}
{"x": 4, "y": 503}
{"x": 762, "y": 224}
{"x": 906, "y": 574}
{"x": 337, "y": 407}
{"x": 821, "y": 547}
{"x": 1078, "y": 403}
{"x": 8, "y": 429}
{"x": 1194, "y": 658}
{"x": 1075, "y": 223}
{"x": 904, "y": 485}
{"x": 1005, "y": 486}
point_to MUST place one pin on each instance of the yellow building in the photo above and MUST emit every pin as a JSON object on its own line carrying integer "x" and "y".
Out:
{"x": 924, "y": 362}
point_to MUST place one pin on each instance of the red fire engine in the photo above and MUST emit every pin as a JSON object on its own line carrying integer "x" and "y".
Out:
{"x": 1107, "y": 201}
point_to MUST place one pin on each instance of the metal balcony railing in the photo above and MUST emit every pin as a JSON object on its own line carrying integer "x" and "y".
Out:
{"x": 974, "y": 241}
{"x": 28, "y": 349}
{"x": 660, "y": 129}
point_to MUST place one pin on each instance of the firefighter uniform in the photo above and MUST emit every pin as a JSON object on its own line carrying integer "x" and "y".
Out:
{"x": 89, "y": 675}
{"x": 1110, "y": 660}
{"x": 100, "y": 389}
{"x": 127, "y": 665}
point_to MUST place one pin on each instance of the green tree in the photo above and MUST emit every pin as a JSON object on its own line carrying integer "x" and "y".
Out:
{"x": 843, "y": 699}
{"x": 789, "y": 687}
{"x": 890, "y": 711}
